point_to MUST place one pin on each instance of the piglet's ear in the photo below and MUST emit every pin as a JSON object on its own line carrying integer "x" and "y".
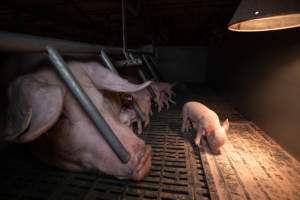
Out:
{"x": 225, "y": 125}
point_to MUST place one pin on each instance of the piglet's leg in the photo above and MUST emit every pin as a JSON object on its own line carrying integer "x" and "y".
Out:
{"x": 147, "y": 121}
{"x": 165, "y": 101}
{"x": 200, "y": 132}
{"x": 189, "y": 125}
{"x": 140, "y": 127}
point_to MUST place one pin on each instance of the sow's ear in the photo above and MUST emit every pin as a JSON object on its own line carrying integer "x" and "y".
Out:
{"x": 34, "y": 107}
{"x": 104, "y": 79}
{"x": 225, "y": 125}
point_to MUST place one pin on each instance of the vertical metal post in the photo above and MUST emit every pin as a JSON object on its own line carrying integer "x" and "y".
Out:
{"x": 124, "y": 31}
{"x": 87, "y": 105}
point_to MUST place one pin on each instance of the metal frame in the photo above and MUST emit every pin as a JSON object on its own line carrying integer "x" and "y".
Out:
{"x": 87, "y": 105}
{"x": 148, "y": 64}
{"x": 16, "y": 42}
{"x": 143, "y": 77}
{"x": 105, "y": 58}
{"x": 124, "y": 32}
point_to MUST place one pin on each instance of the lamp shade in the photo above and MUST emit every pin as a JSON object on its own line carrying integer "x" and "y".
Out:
{"x": 265, "y": 15}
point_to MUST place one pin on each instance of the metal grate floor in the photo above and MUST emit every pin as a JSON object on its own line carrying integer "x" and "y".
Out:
{"x": 176, "y": 173}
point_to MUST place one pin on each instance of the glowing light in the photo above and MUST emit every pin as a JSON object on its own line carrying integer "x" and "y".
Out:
{"x": 265, "y": 15}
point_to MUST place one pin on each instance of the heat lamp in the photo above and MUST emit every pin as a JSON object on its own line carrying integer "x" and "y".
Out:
{"x": 265, "y": 15}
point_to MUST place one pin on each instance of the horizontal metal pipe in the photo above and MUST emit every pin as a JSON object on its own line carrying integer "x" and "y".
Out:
{"x": 128, "y": 63}
{"x": 16, "y": 42}
{"x": 87, "y": 105}
{"x": 143, "y": 51}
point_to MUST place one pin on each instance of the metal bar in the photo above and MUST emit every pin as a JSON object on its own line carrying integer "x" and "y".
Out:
{"x": 154, "y": 64}
{"x": 129, "y": 63}
{"x": 107, "y": 62}
{"x": 148, "y": 64}
{"x": 16, "y": 42}
{"x": 143, "y": 51}
{"x": 143, "y": 77}
{"x": 110, "y": 66}
{"x": 87, "y": 105}
{"x": 131, "y": 56}
{"x": 124, "y": 33}
{"x": 22, "y": 42}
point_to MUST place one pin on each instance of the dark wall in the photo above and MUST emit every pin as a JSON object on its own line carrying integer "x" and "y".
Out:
{"x": 259, "y": 73}
{"x": 166, "y": 22}
{"x": 182, "y": 63}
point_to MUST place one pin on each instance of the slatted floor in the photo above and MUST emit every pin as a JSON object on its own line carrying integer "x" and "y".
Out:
{"x": 176, "y": 172}
{"x": 179, "y": 171}
{"x": 251, "y": 165}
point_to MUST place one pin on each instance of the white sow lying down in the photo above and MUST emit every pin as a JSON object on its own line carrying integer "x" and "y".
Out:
{"x": 61, "y": 134}
{"x": 206, "y": 122}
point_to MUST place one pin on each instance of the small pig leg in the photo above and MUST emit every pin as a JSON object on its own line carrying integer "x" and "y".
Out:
{"x": 140, "y": 127}
{"x": 159, "y": 105}
{"x": 189, "y": 125}
{"x": 165, "y": 101}
{"x": 200, "y": 132}
{"x": 172, "y": 93}
{"x": 147, "y": 121}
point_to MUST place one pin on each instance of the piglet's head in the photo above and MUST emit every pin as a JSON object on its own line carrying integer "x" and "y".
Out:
{"x": 218, "y": 137}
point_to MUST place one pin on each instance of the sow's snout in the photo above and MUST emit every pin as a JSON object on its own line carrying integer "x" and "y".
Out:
{"x": 143, "y": 165}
